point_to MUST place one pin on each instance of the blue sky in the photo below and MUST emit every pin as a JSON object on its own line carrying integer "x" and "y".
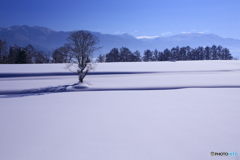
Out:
{"x": 136, "y": 17}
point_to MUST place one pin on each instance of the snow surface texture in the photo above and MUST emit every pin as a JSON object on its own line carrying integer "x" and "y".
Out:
{"x": 123, "y": 111}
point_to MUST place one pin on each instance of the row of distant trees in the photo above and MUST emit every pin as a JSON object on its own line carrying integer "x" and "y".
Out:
{"x": 22, "y": 55}
{"x": 175, "y": 54}
{"x": 28, "y": 55}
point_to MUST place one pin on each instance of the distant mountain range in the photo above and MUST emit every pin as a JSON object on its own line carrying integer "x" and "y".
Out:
{"x": 46, "y": 39}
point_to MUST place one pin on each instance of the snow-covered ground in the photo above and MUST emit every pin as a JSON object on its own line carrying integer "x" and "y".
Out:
{"x": 123, "y": 111}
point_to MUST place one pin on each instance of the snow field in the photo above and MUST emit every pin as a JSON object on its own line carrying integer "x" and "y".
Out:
{"x": 119, "y": 124}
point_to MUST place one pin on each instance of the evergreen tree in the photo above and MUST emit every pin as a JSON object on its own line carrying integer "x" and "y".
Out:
{"x": 3, "y": 52}
{"x": 125, "y": 55}
{"x": 226, "y": 54}
{"x": 113, "y": 55}
{"x": 58, "y": 56}
{"x": 137, "y": 56}
{"x": 219, "y": 52}
{"x": 30, "y": 54}
{"x": 167, "y": 55}
{"x": 160, "y": 56}
{"x": 207, "y": 53}
{"x": 182, "y": 53}
{"x": 148, "y": 56}
{"x": 156, "y": 56}
{"x": 12, "y": 55}
{"x": 214, "y": 52}
{"x": 201, "y": 54}
{"x": 174, "y": 54}
{"x": 188, "y": 53}
{"x": 194, "y": 54}
{"x": 21, "y": 57}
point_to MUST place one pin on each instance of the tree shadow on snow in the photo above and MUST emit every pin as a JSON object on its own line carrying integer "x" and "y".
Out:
{"x": 14, "y": 75}
{"x": 84, "y": 88}
{"x": 40, "y": 91}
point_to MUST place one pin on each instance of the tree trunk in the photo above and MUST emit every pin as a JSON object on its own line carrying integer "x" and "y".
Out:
{"x": 81, "y": 76}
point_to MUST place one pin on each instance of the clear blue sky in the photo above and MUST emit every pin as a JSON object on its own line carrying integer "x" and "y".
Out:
{"x": 136, "y": 17}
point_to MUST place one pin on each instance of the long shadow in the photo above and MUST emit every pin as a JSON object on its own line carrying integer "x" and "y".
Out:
{"x": 61, "y": 89}
{"x": 11, "y": 75}
{"x": 37, "y": 91}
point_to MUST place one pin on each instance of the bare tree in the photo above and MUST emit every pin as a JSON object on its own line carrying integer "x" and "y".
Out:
{"x": 82, "y": 44}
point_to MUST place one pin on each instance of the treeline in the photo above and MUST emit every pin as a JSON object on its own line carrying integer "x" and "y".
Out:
{"x": 175, "y": 54}
{"x": 29, "y": 55}
{"x": 22, "y": 55}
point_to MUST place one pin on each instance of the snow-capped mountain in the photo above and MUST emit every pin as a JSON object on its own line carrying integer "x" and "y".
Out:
{"x": 47, "y": 39}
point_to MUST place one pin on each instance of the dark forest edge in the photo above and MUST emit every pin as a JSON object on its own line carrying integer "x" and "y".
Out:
{"x": 175, "y": 54}
{"x": 29, "y": 55}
